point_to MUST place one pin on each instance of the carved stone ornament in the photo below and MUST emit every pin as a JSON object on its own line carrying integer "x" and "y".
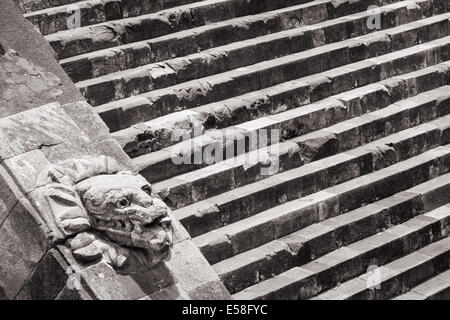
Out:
{"x": 106, "y": 214}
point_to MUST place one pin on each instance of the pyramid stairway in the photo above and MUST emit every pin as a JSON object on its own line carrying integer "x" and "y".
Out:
{"x": 357, "y": 122}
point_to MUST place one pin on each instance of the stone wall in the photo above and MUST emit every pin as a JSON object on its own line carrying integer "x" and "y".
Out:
{"x": 29, "y": 75}
{"x": 45, "y": 121}
{"x": 32, "y": 141}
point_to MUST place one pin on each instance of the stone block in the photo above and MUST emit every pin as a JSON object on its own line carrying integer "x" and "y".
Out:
{"x": 255, "y": 231}
{"x": 255, "y": 266}
{"x": 317, "y": 145}
{"x": 73, "y": 294}
{"x": 214, "y": 245}
{"x": 210, "y": 291}
{"x": 110, "y": 148}
{"x": 112, "y": 116}
{"x": 341, "y": 265}
{"x": 301, "y": 214}
{"x": 25, "y": 169}
{"x": 48, "y": 279}
{"x": 189, "y": 266}
{"x": 319, "y": 240}
{"x": 22, "y": 245}
{"x": 66, "y": 150}
{"x": 347, "y": 289}
{"x": 79, "y": 70}
{"x": 320, "y": 87}
{"x": 103, "y": 283}
{"x": 87, "y": 120}
{"x": 44, "y": 126}
{"x": 149, "y": 282}
{"x": 9, "y": 194}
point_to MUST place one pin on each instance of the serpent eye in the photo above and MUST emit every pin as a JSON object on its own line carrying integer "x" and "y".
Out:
{"x": 147, "y": 189}
{"x": 123, "y": 203}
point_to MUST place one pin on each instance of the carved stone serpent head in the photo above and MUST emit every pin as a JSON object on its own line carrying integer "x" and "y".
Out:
{"x": 125, "y": 224}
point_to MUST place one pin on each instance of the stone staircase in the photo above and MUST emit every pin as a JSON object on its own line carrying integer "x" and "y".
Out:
{"x": 357, "y": 122}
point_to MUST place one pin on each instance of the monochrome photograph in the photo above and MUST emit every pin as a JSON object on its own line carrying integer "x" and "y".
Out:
{"x": 225, "y": 153}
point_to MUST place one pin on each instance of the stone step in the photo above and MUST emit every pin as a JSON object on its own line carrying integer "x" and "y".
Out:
{"x": 251, "y": 232}
{"x": 159, "y": 165}
{"x": 284, "y": 192}
{"x": 436, "y": 288}
{"x": 228, "y": 174}
{"x": 375, "y": 125}
{"x": 166, "y": 131}
{"x": 265, "y": 47}
{"x": 101, "y": 62}
{"x": 398, "y": 276}
{"x": 314, "y": 241}
{"x": 213, "y": 180}
{"x": 109, "y": 34}
{"x": 306, "y": 153}
{"x": 35, "y": 5}
{"x": 89, "y": 12}
{"x": 410, "y": 244}
{"x": 267, "y": 78}
{"x": 240, "y": 54}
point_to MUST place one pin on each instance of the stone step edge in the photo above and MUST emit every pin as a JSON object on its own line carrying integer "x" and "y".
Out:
{"x": 327, "y": 80}
{"x": 57, "y": 15}
{"x": 145, "y": 162}
{"x": 310, "y": 243}
{"x": 219, "y": 238}
{"x": 409, "y": 105}
{"x": 429, "y": 289}
{"x": 373, "y": 284}
{"x": 287, "y": 146}
{"x": 273, "y": 37}
{"x": 59, "y": 40}
{"x": 84, "y": 61}
{"x": 222, "y": 210}
{"x": 306, "y": 276}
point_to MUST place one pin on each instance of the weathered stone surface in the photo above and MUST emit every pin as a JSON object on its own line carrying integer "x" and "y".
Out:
{"x": 187, "y": 69}
{"x": 48, "y": 280}
{"x": 66, "y": 150}
{"x": 102, "y": 35}
{"x": 9, "y": 194}
{"x": 102, "y": 283}
{"x": 191, "y": 268}
{"x": 38, "y": 77}
{"x": 21, "y": 81}
{"x": 33, "y": 129}
{"x": 174, "y": 292}
{"x": 73, "y": 294}
{"x": 317, "y": 146}
{"x": 88, "y": 254}
{"x": 362, "y": 112}
{"x": 23, "y": 244}
{"x": 132, "y": 230}
{"x": 374, "y": 96}
{"x": 210, "y": 291}
{"x": 25, "y": 168}
{"x": 87, "y": 120}
{"x": 193, "y": 93}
